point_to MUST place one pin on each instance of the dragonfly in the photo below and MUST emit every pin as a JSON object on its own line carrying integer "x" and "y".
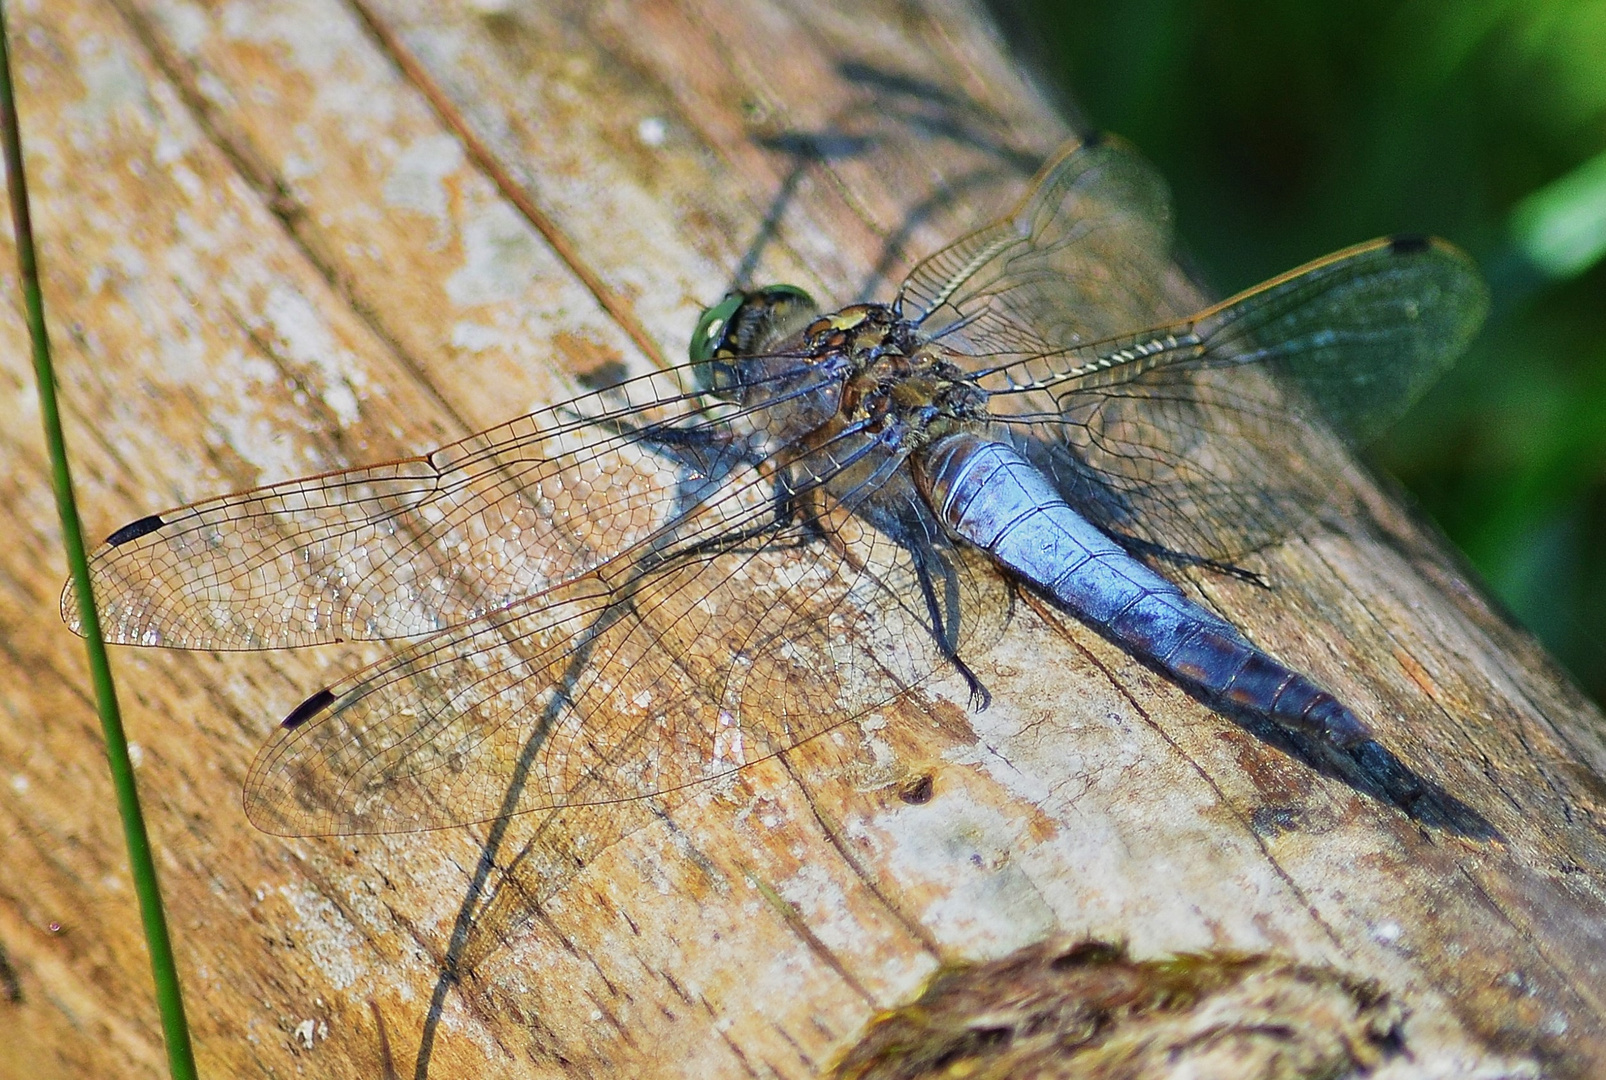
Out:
{"x": 646, "y": 589}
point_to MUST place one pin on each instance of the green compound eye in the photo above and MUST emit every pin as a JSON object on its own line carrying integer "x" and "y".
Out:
{"x": 742, "y": 326}
{"x": 779, "y": 294}
{"x": 711, "y": 328}
{"x": 745, "y": 321}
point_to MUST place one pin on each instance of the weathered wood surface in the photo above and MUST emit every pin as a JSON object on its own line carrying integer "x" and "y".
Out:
{"x": 284, "y": 237}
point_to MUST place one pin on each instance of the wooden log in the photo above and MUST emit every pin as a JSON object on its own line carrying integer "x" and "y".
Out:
{"x": 285, "y": 237}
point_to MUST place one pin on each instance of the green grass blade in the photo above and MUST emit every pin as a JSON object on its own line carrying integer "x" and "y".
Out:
{"x": 170, "y": 1002}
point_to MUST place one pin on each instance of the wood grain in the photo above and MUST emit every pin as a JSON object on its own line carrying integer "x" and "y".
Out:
{"x": 282, "y": 237}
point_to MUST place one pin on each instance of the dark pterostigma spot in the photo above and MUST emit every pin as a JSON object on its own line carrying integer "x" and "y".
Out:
{"x": 1085, "y": 1008}
{"x": 917, "y": 792}
{"x": 136, "y": 529}
{"x": 1408, "y": 244}
{"x": 308, "y": 709}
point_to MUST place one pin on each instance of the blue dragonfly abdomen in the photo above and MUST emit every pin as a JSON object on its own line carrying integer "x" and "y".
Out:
{"x": 989, "y": 495}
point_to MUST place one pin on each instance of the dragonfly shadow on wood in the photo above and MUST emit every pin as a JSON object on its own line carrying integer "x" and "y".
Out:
{"x": 932, "y": 112}
{"x": 1367, "y": 766}
{"x": 898, "y": 117}
{"x": 1375, "y": 771}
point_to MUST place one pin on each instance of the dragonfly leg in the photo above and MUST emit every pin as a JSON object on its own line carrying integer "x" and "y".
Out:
{"x": 693, "y": 438}
{"x": 980, "y": 696}
{"x": 1150, "y": 550}
{"x": 782, "y": 514}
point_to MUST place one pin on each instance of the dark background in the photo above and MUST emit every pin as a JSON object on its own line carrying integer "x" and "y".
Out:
{"x": 1290, "y": 128}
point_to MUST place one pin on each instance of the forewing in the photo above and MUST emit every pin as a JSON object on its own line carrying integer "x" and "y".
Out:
{"x": 409, "y": 547}
{"x": 1081, "y": 258}
{"x": 630, "y": 682}
{"x": 1210, "y": 436}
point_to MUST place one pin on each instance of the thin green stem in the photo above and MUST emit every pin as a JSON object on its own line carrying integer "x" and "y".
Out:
{"x": 170, "y": 1002}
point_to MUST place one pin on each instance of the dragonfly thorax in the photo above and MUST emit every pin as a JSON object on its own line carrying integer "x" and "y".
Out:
{"x": 863, "y": 332}
{"x": 862, "y": 368}
{"x": 908, "y": 400}
{"x": 898, "y": 388}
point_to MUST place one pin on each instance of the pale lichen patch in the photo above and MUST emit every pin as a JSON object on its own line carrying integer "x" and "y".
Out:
{"x": 501, "y": 255}
{"x": 417, "y": 179}
{"x": 333, "y": 943}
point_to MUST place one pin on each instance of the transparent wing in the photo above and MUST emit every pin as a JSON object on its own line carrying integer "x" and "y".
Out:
{"x": 1082, "y": 258}
{"x": 1207, "y": 436}
{"x": 410, "y": 547}
{"x": 634, "y": 680}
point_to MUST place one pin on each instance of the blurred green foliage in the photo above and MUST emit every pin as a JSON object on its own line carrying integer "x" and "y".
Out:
{"x": 1290, "y": 128}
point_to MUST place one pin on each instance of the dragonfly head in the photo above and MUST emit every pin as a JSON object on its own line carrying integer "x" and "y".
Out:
{"x": 745, "y": 324}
